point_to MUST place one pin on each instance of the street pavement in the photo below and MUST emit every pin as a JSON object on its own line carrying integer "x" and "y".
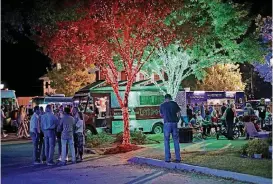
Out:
{"x": 17, "y": 168}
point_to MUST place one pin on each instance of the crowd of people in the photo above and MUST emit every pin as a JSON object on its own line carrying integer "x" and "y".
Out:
{"x": 209, "y": 117}
{"x": 18, "y": 118}
{"x": 64, "y": 125}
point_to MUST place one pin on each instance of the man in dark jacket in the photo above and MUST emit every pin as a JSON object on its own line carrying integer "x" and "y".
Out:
{"x": 229, "y": 115}
{"x": 189, "y": 112}
{"x": 223, "y": 108}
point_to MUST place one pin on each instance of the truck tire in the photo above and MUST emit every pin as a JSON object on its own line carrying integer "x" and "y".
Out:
{"x": 157, "y": 128}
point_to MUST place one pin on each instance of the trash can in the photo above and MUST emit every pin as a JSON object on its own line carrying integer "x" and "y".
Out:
{"x": 185, "y": 135}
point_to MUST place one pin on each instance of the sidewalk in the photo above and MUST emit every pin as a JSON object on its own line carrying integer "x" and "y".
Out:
{"x": 205, "y": 170}
{"x": 12, "y": 138}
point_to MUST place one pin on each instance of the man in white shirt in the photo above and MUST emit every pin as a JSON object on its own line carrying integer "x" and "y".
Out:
{"x": 35, "y": 134}
{"x": 49, "y": 123}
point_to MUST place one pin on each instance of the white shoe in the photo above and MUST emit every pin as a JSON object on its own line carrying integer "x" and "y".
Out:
{"x": 66, "y": 159}
{"x": 5, "y": 135}
{"x": 37, "y": 163}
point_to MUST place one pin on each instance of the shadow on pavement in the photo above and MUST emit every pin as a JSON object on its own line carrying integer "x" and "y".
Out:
{"x": 29, "y": 168}
{"x": 147, "y": 177}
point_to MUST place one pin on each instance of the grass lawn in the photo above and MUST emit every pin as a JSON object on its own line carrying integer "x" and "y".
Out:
{"x": 227, "y": 160}
{"x": 219, "y": 154}
{"x": 210, "y": 144}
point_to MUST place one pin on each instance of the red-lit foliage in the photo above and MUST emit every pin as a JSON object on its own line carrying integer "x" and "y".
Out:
{"x": 110, "y": 29}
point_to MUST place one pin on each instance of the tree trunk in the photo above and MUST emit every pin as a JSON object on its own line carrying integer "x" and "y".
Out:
{"x": 126, "y": 132}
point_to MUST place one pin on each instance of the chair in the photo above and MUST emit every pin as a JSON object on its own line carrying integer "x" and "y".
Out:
{"x": 252, "y": 132}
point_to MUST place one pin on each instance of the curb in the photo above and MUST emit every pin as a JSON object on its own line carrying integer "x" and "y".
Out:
{"x": 14, "y": 140}
{"x": 204, "y": 170}
{"x": 4, "y": 143}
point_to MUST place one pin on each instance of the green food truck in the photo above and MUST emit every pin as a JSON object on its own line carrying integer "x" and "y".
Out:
{"x": 102, "y": 110}
{"x": 101, "y": 106}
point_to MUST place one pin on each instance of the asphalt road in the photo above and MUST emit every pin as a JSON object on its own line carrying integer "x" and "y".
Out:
{"x": 17, "y": 168}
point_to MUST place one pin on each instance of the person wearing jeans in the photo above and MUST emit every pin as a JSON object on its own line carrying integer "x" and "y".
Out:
{"x": 171, "y": 128}
{"x": 80, "y": 136}
{"x": 49, "y": 124}
{"x": 59, "y": 139}
{"x": 35, "y": 134}
{"x": 41, "y": 140}
{"x": 42, "y": 147}
{"x": 67, "y": 127}
{"x": 170, "y": 111}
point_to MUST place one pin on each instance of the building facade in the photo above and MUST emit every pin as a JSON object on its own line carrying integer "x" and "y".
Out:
{"x": 47, "y": 90}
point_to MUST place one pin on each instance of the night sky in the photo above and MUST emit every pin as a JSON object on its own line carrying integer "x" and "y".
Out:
{"x": 22, "y": 64}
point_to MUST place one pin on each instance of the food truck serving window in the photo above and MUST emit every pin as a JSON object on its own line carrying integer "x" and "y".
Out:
{"x": 151, "y": 100}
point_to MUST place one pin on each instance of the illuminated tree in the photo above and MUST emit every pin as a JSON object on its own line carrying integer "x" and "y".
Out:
{"x": 215, "y": 31}
{"x": 225, "y": 77}
{"x": 172, "y": 65}
{"x": 210, "y": 32}
{"x": 116, "y": 36}
{"x": 264, "y": 30}
{"x": 68, "y": 79}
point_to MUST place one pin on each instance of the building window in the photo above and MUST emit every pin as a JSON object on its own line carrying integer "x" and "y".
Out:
{"x": 47, "y": 85}
{"x": 141, "y": 77}
{"x": 156, "y": 77}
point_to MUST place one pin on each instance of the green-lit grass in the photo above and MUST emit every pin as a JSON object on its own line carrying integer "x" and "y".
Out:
{"x": 211, "y": 143}
{"x": 231, "y": 162}
{"x": 219, "y": 154}
{"x": 226, "y": 160}
{"x": 158, "y": 138}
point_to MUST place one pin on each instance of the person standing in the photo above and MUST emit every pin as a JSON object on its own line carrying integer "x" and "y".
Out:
{"x": 206, "y": 124}
{"x": 196, "y": 108}
{"x": 2, "y": 121}
{"x": 170, "y": 111}
{"x": 14, "y": 118}
{"x": 59, "y": 134}
{"x": 74, "y": 113}
{"x": 202, "y": 109}
{"x": 248, "y": 110}
{"x": 35, "y": 134}
{"x": 41, "y": 140}
{"x": 229, "y": 116}
{"x": 59, "y": 137}
{"x": 67, "y": 127}
{"x": 49, "y": 124}
{"x": 262, "y": 111}
{"x": 189, "y": 113}
{"x": 22, "y": 121}
{"x": 223, "y": 109}
{"x": 80, "y": 135}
